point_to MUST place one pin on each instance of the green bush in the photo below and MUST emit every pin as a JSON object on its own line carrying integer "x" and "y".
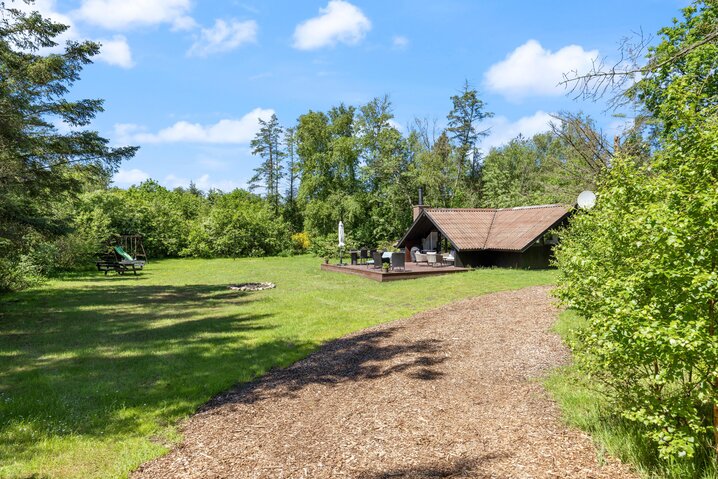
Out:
{"x": 642, "y": 267}
{"x": 239, "y": 224}
{"x": 300, "y": 243}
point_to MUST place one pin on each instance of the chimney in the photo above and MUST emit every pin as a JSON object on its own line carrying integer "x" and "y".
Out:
{"x": 420, "y": 206}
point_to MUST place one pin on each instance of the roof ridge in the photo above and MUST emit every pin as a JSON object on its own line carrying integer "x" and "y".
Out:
{"x": 531, "y": 207}
{"x": 494, "y": 210}
{"x": 488, "y": 233}
{"x": 460, "y": 209}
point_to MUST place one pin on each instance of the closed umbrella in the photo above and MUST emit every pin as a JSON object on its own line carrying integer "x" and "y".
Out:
{"x": 341, "y": 240}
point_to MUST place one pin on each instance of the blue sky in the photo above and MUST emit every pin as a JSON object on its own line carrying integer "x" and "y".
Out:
{"x": 186, "y": 80}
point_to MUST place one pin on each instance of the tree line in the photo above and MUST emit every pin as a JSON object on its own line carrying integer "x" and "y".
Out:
{"x": 641, "y": 266}
{"x": 355, "y": 165}
{"x": 350, "y": 163}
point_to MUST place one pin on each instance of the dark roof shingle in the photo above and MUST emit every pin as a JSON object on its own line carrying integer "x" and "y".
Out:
{"x": 506, "y": 229}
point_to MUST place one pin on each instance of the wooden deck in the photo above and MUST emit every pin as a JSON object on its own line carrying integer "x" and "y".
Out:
{"x": 412, "y": 271}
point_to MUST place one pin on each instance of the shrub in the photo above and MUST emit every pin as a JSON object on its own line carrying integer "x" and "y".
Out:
{"x": 300, "y": 243}
{"x": 239, "y": 224}
{"x": 642, "y": 267}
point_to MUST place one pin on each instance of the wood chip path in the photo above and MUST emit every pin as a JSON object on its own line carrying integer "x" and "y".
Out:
{"x": 451, "y": 392}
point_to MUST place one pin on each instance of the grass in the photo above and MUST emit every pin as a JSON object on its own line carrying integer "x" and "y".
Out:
{"x": 97, "y": 371}
{"x": 585, "y": 406}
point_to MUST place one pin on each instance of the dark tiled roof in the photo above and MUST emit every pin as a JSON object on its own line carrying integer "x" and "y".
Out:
{"x": 506, "y": 229}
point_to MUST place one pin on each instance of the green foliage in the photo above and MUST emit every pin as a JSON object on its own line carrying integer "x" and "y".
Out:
{"x": 300, "y": 242}
{"x": 327, "y": 246}
{"x": 679, "y": 84}
{"x": 239, "y": 224}
{"x": 586, "y": 404}
{"x": 161, "y": 216}
{"x": 541, "y": 170}
{"x": 642, "y": 265}
{"x": 467, "y": 112}
{"x": 267, "y": 144}
{"x": 39, "y": 166}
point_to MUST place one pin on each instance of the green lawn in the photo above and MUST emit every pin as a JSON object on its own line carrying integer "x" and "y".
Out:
{"x": 96, "y": 371}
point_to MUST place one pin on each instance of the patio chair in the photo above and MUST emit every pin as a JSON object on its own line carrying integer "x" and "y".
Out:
{"x": 434, "y": 259}
{"x": 376, "y": 256}
{"x": 398, "y": 260}
{"x": 449, "y": 258}
{"x": 420, "y": 258}
{"x": 363, "y": 256}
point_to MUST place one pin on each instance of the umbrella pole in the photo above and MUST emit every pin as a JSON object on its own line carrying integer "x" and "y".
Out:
{"x": 341, "y": 250}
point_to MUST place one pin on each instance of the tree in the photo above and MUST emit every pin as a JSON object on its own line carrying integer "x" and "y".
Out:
{"x": 386, "y": 177}
{"x": 329, "y": 158}
{"x": 267, "y": 144}
{"x": 292, "y": 214}
{"x": 39, "y": 165}
{"x": 543, "y": 169}
{"x": 434, "y": 171}
{"x": 467, "y": 112}
{"x": 642, "y": 265}
{"x": 373, "y": 127}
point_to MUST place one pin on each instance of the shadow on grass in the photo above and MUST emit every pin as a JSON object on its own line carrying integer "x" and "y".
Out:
{"x": 122, "y": 359}
{"x": 366, "y": 356}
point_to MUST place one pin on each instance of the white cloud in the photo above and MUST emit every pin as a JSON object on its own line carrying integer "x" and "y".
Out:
{"x": 124, "y": 14}
{"x": 534, "y": 70}
{"x": 224, "y": 131}
{"x": 213, "y": 163}
{"x": 116, "y": 52}
{"x": 338, "y": 22}
{"x": 396, "y": 125}
{"x": 224, "y": 36}
{"x": 204, "y": 183}
{"x": 400, "y": 42}
{"x": 48, "y": 9}
{"x": 129, "y": 177}
{"x": 184, "y": 23}
{"x": 502, "y": 130}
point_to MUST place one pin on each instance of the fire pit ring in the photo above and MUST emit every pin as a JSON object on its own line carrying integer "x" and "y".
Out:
{"x": 252, "y": 286}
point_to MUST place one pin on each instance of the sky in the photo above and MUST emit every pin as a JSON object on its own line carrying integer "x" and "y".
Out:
{"x": 187, "y": 80}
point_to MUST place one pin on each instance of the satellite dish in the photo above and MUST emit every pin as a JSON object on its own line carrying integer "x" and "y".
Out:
{"x": 586, "y": 200}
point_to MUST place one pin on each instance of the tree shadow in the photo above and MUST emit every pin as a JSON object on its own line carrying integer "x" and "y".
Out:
{"x": 122, "y": 358}
{"x": 119, "y": 359}
{"x": 455, "y": 469}
{"x": 366, "y": 356}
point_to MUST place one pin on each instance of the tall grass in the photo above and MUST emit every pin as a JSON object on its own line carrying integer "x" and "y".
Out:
{"x": 585, "y": 405}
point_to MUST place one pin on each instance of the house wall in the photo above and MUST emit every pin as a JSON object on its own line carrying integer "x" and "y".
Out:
{"x": 537, "y": 256}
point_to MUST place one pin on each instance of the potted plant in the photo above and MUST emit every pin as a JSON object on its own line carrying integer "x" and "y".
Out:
{"x": 385, "y": 267}
{"x": 326, "y": 260}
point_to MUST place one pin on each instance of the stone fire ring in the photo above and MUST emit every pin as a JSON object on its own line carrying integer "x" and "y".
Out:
{"x": 251, "y": 286}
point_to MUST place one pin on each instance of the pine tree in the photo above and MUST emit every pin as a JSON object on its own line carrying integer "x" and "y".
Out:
{"x": 467, "y": 112}
{"x": 39, "y": 165}
{"x": 267, "y": 144}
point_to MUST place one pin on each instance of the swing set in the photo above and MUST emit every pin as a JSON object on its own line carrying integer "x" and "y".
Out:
{"x": 124, "y": 253}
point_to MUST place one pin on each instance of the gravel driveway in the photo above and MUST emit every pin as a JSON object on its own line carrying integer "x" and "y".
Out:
{"x": 451, "y": 392}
